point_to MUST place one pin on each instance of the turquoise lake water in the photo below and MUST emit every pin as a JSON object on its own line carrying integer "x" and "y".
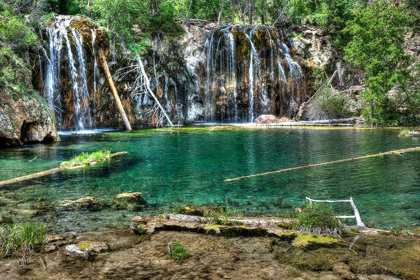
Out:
{"x": 173, "y": 167}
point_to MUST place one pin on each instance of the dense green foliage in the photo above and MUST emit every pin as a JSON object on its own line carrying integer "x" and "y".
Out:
{"x": 22, "y": 237}
{"x": 378, "y": 48}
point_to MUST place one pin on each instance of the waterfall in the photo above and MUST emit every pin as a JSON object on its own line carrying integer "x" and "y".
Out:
{"x": 294, "y": 69}
{"x": 232, "y": 76}
{"x": 60, "y": 45}
{"x": 245, "y": 75}
{"x": 251, "y": 81}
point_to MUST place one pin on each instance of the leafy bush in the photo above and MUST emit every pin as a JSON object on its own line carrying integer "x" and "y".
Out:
{"x": 177, "y": 251}
{"x": 318, "y": 218}
{"x": 15, "y": 32}
{"x": 328, "y": 104}
{"x": 26, "y": 237}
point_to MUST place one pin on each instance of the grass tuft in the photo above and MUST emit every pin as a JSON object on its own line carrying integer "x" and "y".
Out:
{"x": 22, "y": 237}
{"x": 86, "y": 158}
{"x": 318, "y": 218}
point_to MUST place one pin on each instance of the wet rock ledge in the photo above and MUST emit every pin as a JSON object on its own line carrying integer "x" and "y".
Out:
{"x": 220, "y": 248}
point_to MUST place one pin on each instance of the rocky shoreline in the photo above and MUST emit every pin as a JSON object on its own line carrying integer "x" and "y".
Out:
{"x": 250, "y": 248}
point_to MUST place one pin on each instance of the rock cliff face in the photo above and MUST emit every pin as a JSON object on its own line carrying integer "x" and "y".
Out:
{"x": 211, "y": 74}
{"x": 25, "y": 120}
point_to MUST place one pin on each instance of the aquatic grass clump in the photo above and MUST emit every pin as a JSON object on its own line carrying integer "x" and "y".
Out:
{"x": 177, "y": 251}
{"x": 86, "y": 158}
{"x": 408, "y": 133}
{"x": 22, "y": 237}
{"x": 318, "y": 218}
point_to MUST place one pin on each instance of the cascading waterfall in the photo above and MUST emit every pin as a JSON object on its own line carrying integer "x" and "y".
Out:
{"x": 65, "y": 42}
{"x": 246, "y": 75}
{"x": 294, "y": 68}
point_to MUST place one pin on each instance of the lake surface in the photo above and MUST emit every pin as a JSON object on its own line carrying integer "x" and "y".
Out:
{"x": 173, "y": 167}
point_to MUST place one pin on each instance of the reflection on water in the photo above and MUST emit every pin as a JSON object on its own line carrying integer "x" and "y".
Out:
{"x": 183, "y": 165}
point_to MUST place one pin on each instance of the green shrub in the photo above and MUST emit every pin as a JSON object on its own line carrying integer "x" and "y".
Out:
{"x": 141, "y": 230}
{"x": 329, "y": 104}
{"x": 318, "y": 218}
{"x": 177, "y": 251}
{"x": 25, "y": 237}
{"x": 16, "y": 32}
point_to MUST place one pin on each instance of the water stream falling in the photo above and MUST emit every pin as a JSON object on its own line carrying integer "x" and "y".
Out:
{"x": 246, "y": 75}
{"x": 65, "y": 45}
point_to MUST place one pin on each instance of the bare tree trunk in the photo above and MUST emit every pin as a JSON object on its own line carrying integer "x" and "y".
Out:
{"x": 113, "y": 89}
{"x": 88, "y": 9}
{"x": 233, "y": 11}
{"x": 221, "y": 12}
{"x": 251, "y": 7}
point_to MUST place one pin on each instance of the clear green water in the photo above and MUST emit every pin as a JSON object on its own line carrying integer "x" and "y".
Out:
{"x": 175, "y": 167}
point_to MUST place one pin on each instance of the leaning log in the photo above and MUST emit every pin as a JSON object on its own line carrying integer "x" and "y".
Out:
{"x": 113, "y": 88}
{"x": 49, "y": 172}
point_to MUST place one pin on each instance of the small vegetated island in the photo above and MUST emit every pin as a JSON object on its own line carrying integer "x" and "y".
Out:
{"x": 157, "y": 139}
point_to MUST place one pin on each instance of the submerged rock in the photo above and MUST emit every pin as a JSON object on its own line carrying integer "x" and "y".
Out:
{"x": 131, "y": 201}
{"x": 73, "y": 250}
{"x": 86, "y": 203}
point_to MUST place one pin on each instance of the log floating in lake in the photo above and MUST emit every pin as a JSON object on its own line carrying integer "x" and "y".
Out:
{"x": 49, "y": 172}
{"x": 396, "y": 152}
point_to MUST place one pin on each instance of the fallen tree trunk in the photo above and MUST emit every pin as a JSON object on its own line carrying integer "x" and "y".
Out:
{"x": 113, "y": 89}
{"x": 397, "y": 152}
{"x": 330, "y": 122}
{"x": 49, "y": 172}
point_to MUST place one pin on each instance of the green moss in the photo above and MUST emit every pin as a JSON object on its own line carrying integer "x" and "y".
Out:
{"x": 305, "y": 240}
{"x": 212, "y": 227}
{"x": 83, "y": 246}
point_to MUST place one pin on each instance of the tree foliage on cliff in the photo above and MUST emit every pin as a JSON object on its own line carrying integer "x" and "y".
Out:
{"x": 130, "y": 22}
{"x": 16, "y": 36}
{"x": 377, "y": 47}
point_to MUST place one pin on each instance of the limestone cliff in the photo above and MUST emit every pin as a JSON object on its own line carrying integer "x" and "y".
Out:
{"x": 213, "y": 74}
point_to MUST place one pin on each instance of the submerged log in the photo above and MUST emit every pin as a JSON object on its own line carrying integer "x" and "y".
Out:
{"x": 49, "y": 172}
{"x": 113, "y": 88}
{"x": 397, "y": 152}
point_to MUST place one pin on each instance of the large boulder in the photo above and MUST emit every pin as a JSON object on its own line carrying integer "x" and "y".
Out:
{"x": 25, "y": 119}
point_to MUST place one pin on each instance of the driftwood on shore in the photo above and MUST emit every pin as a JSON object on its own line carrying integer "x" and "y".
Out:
{"x": 330, "y": 122}
{"x": 50, "y": 171}
{"x": 396, "y": 152}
